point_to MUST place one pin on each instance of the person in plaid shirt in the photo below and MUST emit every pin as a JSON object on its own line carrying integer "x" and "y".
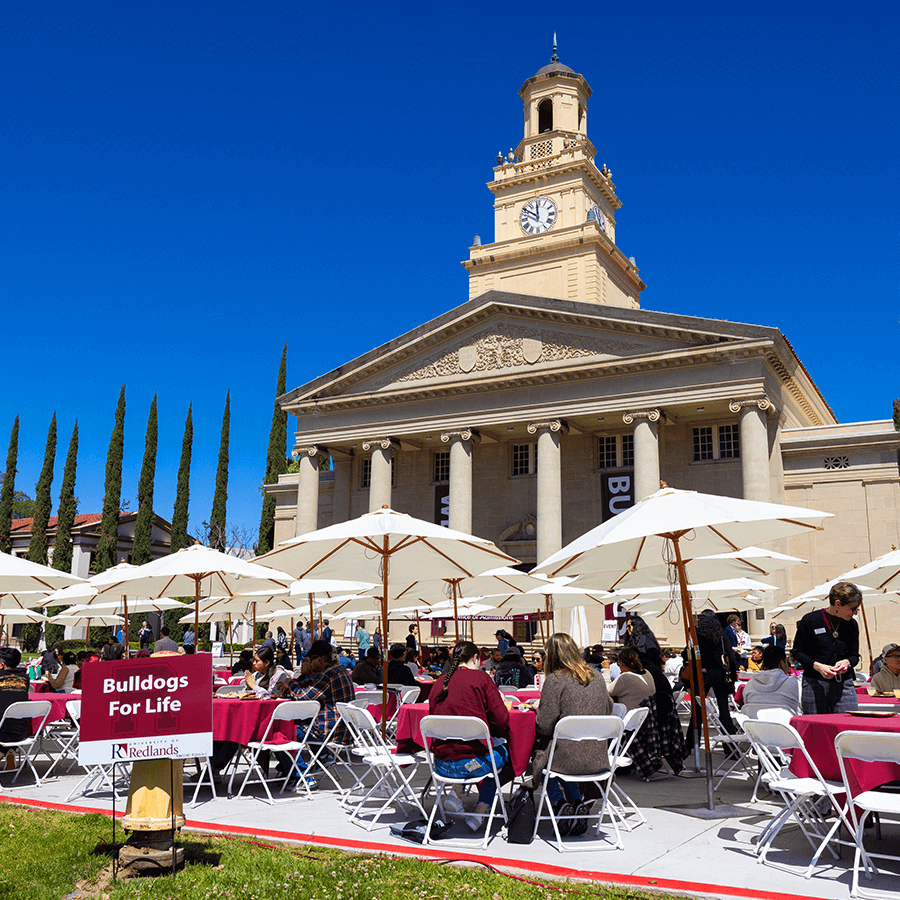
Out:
{"x": 324, "y": 679}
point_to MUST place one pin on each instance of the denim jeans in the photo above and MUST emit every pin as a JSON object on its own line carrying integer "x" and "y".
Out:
{"x": 476, "y": 767}
{"x": 555, "y": 788}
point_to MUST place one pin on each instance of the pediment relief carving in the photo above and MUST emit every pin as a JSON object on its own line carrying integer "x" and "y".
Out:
{"x": 509, "y": 346}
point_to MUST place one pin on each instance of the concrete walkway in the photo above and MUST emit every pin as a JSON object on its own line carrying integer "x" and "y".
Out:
{"x": 679, "y": 849}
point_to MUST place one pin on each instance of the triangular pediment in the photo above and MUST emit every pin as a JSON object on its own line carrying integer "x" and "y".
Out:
{"x": 502, "y": 336}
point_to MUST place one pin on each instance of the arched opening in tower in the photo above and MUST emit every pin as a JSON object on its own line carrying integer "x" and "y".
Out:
{"x": 545, "y": 116}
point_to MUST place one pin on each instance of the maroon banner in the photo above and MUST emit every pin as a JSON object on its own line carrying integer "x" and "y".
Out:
{"x": 158, "y": 707}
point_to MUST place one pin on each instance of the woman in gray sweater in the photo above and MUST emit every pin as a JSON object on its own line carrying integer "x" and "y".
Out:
{"x": 571, "y": 688}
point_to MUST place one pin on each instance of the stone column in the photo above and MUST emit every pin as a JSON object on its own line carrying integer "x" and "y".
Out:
{"x": 461, "y": 476}
{"x": 754, "y": 447}
{"x": 343, "y": 466}
{"x": 549, "y": 486}
{"x": 646, "y": 450}
{"x": 380, "y": 486}
{"x": 307, "y": 488}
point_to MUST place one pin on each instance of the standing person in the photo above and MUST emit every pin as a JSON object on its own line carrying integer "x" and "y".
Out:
{"x": 188, "y": 639}
{"x": 326, "y": 632}
{"x": 120, "y": 635}
{"x": 777, "y": 636}
{"x": 467, "y": 691}
{"x": 363, "y": 639}
{"x": 412, "y": 638}
{"x": 639, "y": 636}
{"x": 571, "y": 688}
{"x": 145, "y": 635}
{"x": 164, "y": 642}
{"x": 376, "y": 639}
{"x": 298, "y": 641}
{"x": 281, "y": 639}
{"x": 745, "y": 645}
{"x": 827, "y": 646}
{"x": 502, "y": 641}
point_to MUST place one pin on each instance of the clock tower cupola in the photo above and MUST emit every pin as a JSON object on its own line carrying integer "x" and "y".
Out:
{"x": 554, "y": 209}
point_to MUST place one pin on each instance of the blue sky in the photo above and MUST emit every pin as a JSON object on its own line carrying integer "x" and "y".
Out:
{"x": 187, "y": 186}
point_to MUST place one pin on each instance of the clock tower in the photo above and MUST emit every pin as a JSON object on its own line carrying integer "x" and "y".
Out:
{"x": 554, "y": 210}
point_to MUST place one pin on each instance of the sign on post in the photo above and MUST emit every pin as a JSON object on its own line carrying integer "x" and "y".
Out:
{"x": 153, "y": 708}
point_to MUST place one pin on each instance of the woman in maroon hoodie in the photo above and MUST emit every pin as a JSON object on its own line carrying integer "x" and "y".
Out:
{"x": 467, "y": 691}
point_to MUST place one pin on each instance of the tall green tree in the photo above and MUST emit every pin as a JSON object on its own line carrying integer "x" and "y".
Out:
{"x": 276, "y": 461}
{"x": 217, "y": 534}
{"x": 183, "y": 491}
{"x": 43, "y": 503}
{"x": 105, "y": 556}
{"x": 897, "y": 415}
{"x": 7, "y": 492}
{"x": 143, "y": 527}
{"x": 65, "y": 516}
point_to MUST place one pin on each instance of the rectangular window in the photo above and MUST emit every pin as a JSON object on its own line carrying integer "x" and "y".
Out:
{"x": 703, "y": 443}
{"x": 441, "y": 466}
{"x": 606, "y": 456}
{"x": 729, "y": 442}
{"x": 628, "y": 451}
{"x": 524, "y": 459}
{"x": 365, "y": 475}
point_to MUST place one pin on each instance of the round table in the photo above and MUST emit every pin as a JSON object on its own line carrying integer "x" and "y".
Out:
{"x": 521, "y": 733}
{"x": 819, "y": 732}
{"x": 57, "y": 705}
{"x": 243, "y": 721}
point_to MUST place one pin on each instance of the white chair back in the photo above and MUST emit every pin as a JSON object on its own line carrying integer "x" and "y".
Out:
{"x": 869, "y": 746}
{"x": 620, "y": 710}
{"x": 774, "y": 714}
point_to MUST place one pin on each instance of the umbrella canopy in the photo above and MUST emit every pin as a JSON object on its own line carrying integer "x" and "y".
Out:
{"x": 17, "y": 574}
{"x": 883, "y": 572}
{"x": 387, "y": 548}
{"x": 85, "y": 616}
{"x": 135, "y": 605}
{"x": 16, "y": 616}
{"x": 22, "y": 600}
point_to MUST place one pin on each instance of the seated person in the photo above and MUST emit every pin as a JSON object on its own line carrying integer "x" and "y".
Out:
{"x": 491, "y": 663}
{"x": 635, "y": 683}
{"x": 754, "y": 663}
{"x": 888, "y": 676}
{"x": 368, "y": 670}
{"x": 771, "y": 687}
{"x": 50, "y": 661}
{"x": 411, "y": 659}
{"x": 268, "y": 680}
{"x": 63, "y": 682}
{"x": 593, "y": 656}
{"x": 614, "y": 670}
{"x": 672, "y": 668}
{"x": 13, "y": 689}
{"x": 345, "y": 659}
{"x": 398, "y": 671}
{"x": 537, "y": 663}
{"x": 512, "y": 671}
{"x": 244, "y": 663}
{"x": 283, "y": 659}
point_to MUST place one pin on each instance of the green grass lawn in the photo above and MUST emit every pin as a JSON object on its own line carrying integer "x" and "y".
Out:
{"x": 50, "y": 854}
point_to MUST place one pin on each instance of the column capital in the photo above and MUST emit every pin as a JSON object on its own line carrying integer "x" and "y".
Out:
{"x": 763, "y": 403}
{"x": 309, "y": 450}
{"x": 554, "y": 425}
{"x": 652, "y": 415}
{"x": 380, "y": 443}
{"x": 463, "y": 434}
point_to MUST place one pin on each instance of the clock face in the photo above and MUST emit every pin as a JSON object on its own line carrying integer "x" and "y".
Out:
{"x": 598, "y": 215}
{"x": 538, "y": 215}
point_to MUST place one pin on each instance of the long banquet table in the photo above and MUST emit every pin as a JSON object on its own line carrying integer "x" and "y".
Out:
{"x": 243, "y": 721}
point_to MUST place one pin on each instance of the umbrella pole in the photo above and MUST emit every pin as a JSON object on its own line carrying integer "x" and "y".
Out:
{"x": 87, "y": 633}
{"x": 125, "y": 602}
{"x": 453, "y": 585}
{"x": 312, "y": 618}
{"x": 197, "y": 615}
{"x": 385, "y": 560}
{"x": 868, "y": 637}
{"x": 230, "y": 641}
{"x": 691, "y": 636}
{"x": 253, "y": 639}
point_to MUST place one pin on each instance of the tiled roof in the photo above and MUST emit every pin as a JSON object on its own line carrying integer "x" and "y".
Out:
{"x": 86, "y": 519}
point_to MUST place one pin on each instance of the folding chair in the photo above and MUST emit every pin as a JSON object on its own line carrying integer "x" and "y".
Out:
{"x": 26, "y": 709}
{"x": 93, "y": 774}
{"x": 460, "y": 728}
{"x": 584, "y": 728}
{"x": 407, "y": 694}
{"x": 771, "y": 739}
{"x": 868, "y": 746}
{"x": 620, "y": 803}
{"x": 204, "y": 776}
{"x": 228, "y": 690}
{"x": 391, "y": 782}
{"x": 67, "y": 738}
{"x": 290, "y": 711}
{"x": 735, "y": 746}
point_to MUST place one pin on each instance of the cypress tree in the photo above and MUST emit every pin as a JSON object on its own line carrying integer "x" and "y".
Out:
{"x": 217, "y": 535}
{"x": 183, "y": 491}
{"x": 65, "y": 516}
{"x": 276, "y": 461}
{"x": 143, "y": 527}
{"x": 109, "y": 525}
{"x": 37, "y": 548}
{"x": 7, "y": 492}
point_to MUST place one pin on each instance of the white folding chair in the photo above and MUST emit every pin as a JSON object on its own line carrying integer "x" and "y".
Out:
{"x": 290, "y": 711}
{"x": 584, "y": 728}
{"x": 228, "y": 690}
{"x": 96, "y": 774}
{"x": 391, "y": 784}
{"x": 407, "y": 694}
{"x": 736, "y": 747}
{"x": 867, "y": 746}
{"x": 24, "y": 747}
{"x": 619, "y": 802}
{"x": 771, "y": 740}
{"x": 66, "y": 737}
{"x": 460, "y": 728}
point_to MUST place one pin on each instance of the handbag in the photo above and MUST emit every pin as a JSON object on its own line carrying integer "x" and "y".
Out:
{"x": 520, "y": 817}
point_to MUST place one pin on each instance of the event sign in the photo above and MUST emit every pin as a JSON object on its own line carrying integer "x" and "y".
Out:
{"x": 153, "y": 708}
{"x": 617, "y": 495}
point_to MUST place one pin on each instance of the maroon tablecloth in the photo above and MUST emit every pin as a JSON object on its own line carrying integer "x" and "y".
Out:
{"x": 521, "y": 733}
{"x": 40, "y": 687}
{"x": 243, "y": 721}
{"x": 57, "y": 705}
{"x": 819, "y": 732}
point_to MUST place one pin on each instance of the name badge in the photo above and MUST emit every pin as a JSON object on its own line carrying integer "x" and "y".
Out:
{"x": 819, "y": 631}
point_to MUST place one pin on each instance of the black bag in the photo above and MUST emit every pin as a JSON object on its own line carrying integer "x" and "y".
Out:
{"x": 414, "y": 830}
{"x": 520, "y": 810}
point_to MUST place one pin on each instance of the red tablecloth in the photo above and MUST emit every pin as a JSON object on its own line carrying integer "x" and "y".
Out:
{"x": 819, "y": 732}
{"x": 40, "y": 687}
{"x": 222, "y": 673}
{"x": 866, "y": 700}
{"x": 521, "y": 733}
{"x": 243, "y": 721}
{"x": 57, "y": 705}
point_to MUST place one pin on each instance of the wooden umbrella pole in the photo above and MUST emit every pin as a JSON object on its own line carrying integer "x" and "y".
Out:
{"x": 862, "y": 606}
{"x": 541, "y": 626}
{"x": 321, "y": 626}
{"x": 453, "y": 585}
{"x": 253, "y": 639}
{"x": 87, "y": 634}
{"x": 691, "y": 640}
{"x": 230, "y": 641}
{"x": 385, "y": 562}
{"x": 125, "y": 602}
{"x": 196, "y": 613}
{"x": 312, "y": 617}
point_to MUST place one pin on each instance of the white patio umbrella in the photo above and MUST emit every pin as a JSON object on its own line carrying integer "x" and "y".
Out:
{"x": 386, "y": 547}
{"x": 17, "y": 574}
{"x": 16, "y": 615}
{"x": 84, "y": 616}
{"x": 883, "y": 572}
{"x": 192, "y": 571}
{"x": 652, "y": 531}
{"x": 22, "y": 600}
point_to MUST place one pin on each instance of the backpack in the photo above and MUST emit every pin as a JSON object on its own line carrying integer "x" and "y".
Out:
{"x": 520, "y": 817}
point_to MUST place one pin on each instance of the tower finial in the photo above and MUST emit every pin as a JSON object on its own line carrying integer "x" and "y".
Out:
{"x": 554, "y": 58}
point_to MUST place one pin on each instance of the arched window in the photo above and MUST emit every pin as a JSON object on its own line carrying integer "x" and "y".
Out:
{"x": 580, "y": 117}
{"x": 545, "y": 116}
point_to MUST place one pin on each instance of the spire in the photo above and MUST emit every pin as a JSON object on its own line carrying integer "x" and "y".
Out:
{"x": 554, "y": 58}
